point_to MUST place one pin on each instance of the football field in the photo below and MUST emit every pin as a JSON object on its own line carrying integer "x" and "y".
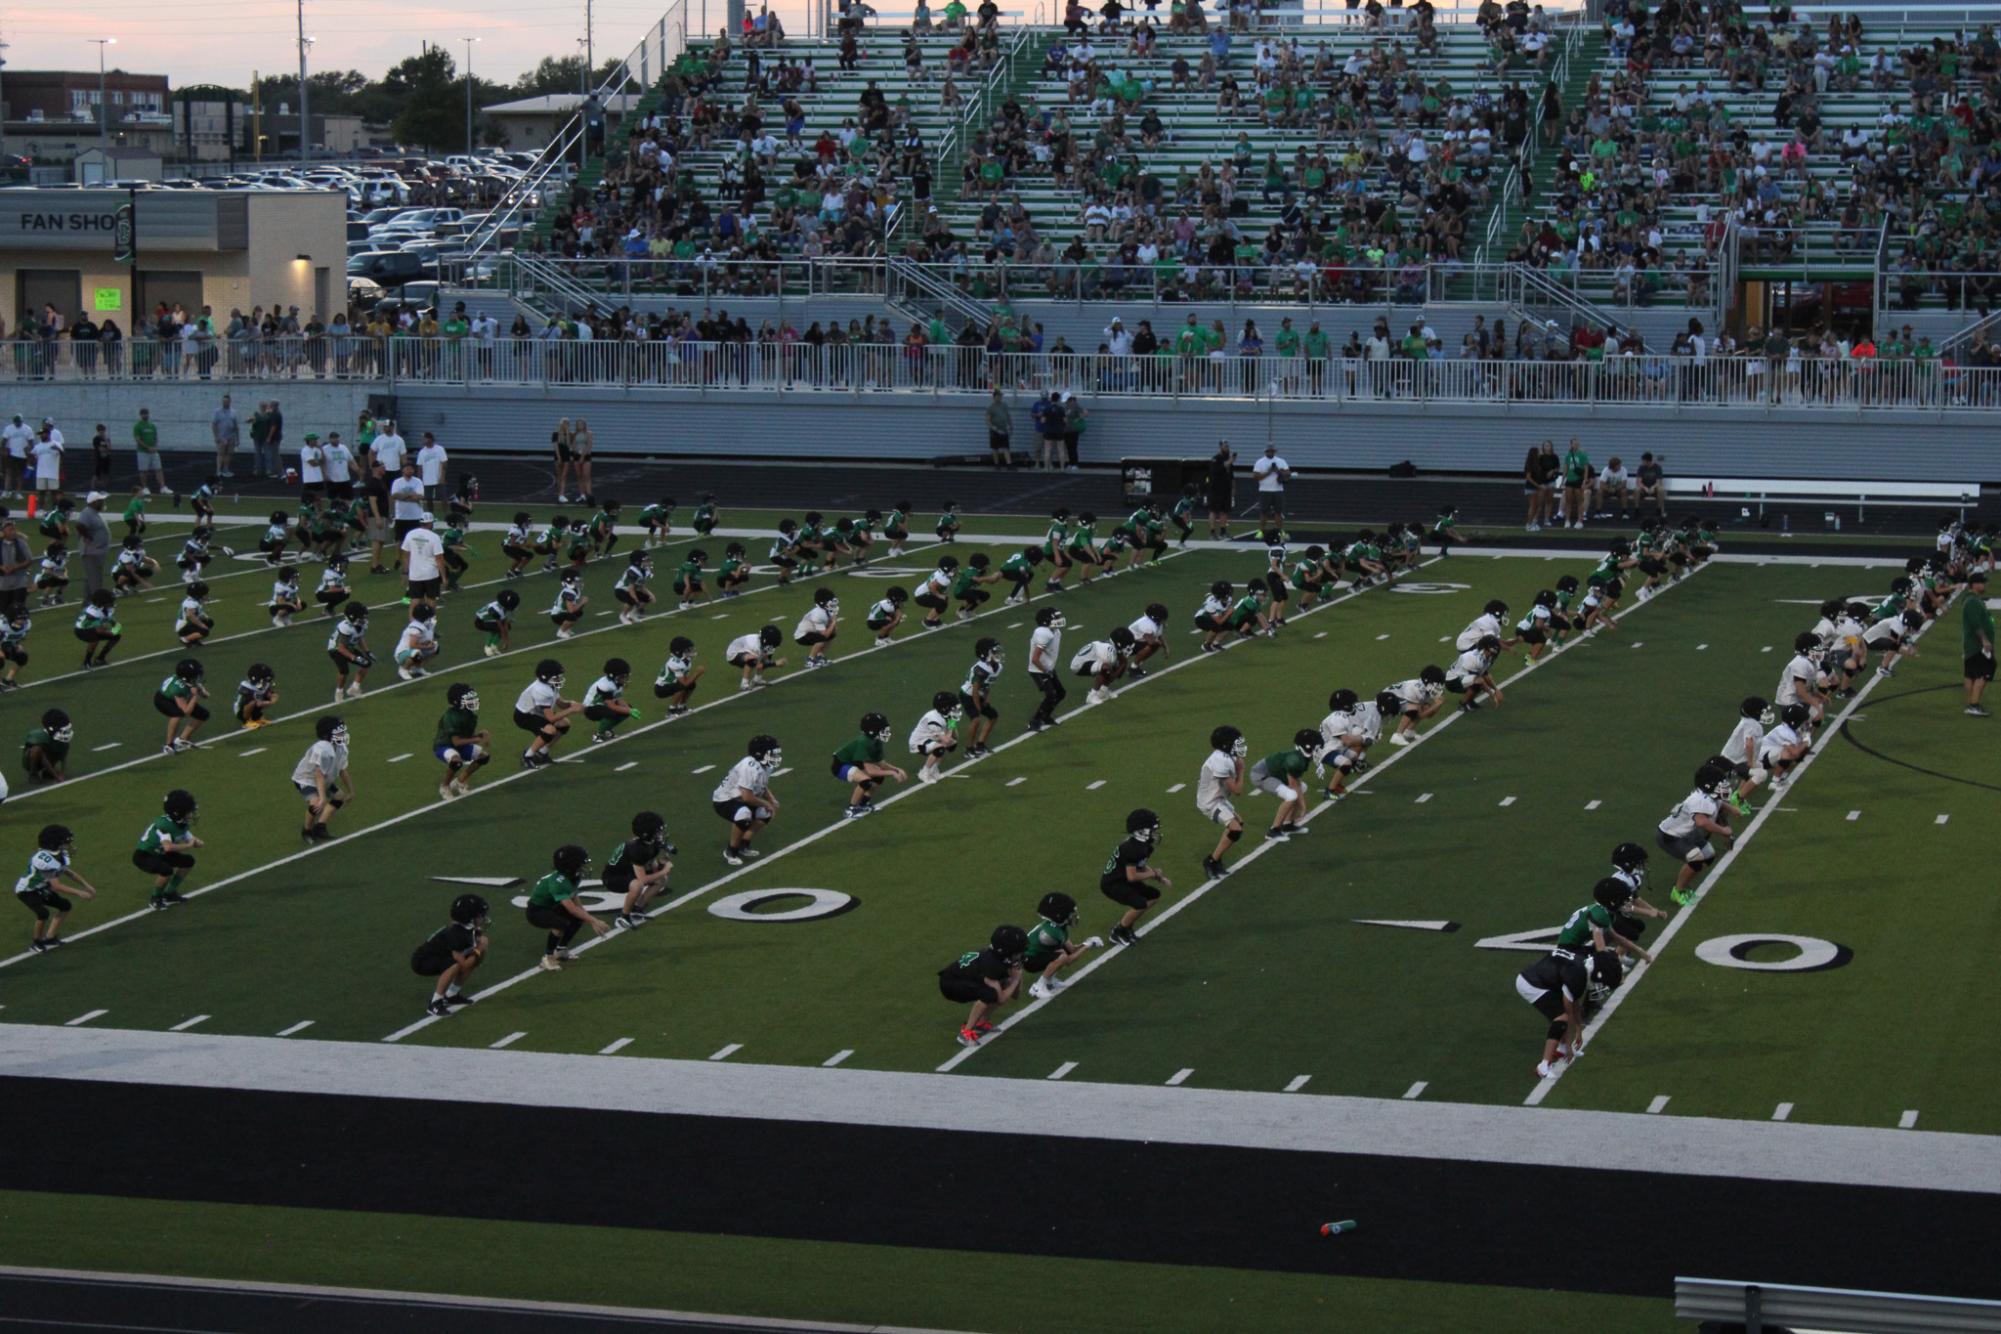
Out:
{"x": 1372, "y": 956}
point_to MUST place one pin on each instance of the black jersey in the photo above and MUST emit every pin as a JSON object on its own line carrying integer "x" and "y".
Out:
{"x": 634, "y": 854}
{"x": 1131, "y": 853}
{"x": 1550, "y": 973}
{"x": 978, "y": 966}
{"x": 446, "y": 941}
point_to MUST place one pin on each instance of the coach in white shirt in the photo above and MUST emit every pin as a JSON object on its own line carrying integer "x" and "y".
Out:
{"x": 48, "y": 449}
{"x": 1272, "y": 473}
{"x": 16, "y": 436}
{"x": 423, "y": 558}
{"x": 389, "y": 449}
{"x": 431, "y": 459}
{"x": 406, "y": 500}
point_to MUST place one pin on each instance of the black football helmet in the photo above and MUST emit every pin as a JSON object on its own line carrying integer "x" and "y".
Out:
{"x": 1230, "y": 741}
{"x": 1051, "y": 618}
{"x": 681, "y": 646}
{"x": 180, "y": 806}
{"x": 1144, "y": 825}
{"x": 764, "y": 748}
{"x": 462, "y": 696}
{"x": 470, "y": 910}
{"x": 770, "y": 636}
{"x": 1307, "y": 742}
{"x": 57, "y": 724}
{"x": 988, "y": 650}
{"x": 260, "y": 674}
{"x": 875, "y": 726}
{"x": 55, "y": 838}
{"x": 1497, "y": 609}
{"x": 618, "y": 669}
{"x": 1607, "y": 972}
{"x": 1342, "y": 700}
{"x": 1432, "y": 676}
{"x": 332, "y": 728}
{"x": 1795, "y": 715}
{"x": 1122, "y": 639}
{"x": 1612, "y": 892}
{"x": 946, "y": 703}
{"x": 1057, "y": 907}
{"x": 189, "y": 670}
{"x": 571, "y": 861}
{"x": 1630, "y": 858}
{"x": 1010, "y": 942}
{"x": 549, "y": 672}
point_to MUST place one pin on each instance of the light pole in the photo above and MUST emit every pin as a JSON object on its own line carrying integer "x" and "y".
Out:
{"x": 305, "y": 97}
{"x": 469, "y": 45}
{"x": 583, "y": 113}
{"x": 3, "y": 105}
{"x": 101, "y": 43}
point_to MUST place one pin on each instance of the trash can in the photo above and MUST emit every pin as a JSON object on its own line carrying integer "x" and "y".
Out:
{"x": 1162, "y": 479}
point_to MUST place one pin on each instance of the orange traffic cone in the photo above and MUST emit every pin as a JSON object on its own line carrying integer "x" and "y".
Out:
{"x": 31, "y": 504}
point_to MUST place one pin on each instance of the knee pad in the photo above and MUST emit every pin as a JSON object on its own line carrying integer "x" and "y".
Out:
{"x": 1557, "y": 1029}
{"x": 1234, "y": 834}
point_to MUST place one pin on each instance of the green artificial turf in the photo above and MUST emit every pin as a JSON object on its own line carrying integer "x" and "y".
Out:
{"x": 800, "y": 1280}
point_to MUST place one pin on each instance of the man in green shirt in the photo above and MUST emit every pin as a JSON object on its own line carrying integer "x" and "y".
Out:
{"x": 553, "y": 906}
{"x": 1976, "y": 625}
{"x": 146, "y": 443}
{"x": 860, "y": 764}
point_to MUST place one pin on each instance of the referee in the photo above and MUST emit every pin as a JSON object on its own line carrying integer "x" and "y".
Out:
{"x": 1976, "y": 625}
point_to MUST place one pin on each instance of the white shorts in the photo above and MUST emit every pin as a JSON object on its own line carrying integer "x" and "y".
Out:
{"x": 1221, "y": 812}
{"x": 45, "y": 482}
{"x": 1278, "y": 789}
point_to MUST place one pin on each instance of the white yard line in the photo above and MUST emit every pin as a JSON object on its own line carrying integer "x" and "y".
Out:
{"x": 1942, "y": 819}
{"x": 254, "y": 750}
{"x": 1061, "y": 1070}
{"x": 299, "y": 1027}
{"x": 1854, "y": 815}
{"x": 1179, "y": 1077}
{"x": 727, "y": 1052}
{"x": 1415, "y": 1091}
{"x": 1658, "y": 1105}
{"x": 1593, "y": 804}
{"x": 186, "y": 1024}
{"x": 509, "y": 1040}
{"x": 1908, "y": 1121}
{"x": 398, "y": 759}
{"x": 1507, "y": 801}
{"x": 1176, "y": 788}
{"x": 837, "y": 1058}
{"x": 86, "y": 1017}
{"x": 704, "y": 769}
{"x": 1094, "y": 785}
{"x": 1167, "y": 914}
{"x": 1612, "y": 1003}
{"x": 1298, "y": 1083}
{"x": 1016, "y": 782}
{"x": 109, "y": 745}
{"x": 1782, "y": 1112}
{"x": 1422, "y": 797}
{"x": 617, "y": 1045}
{"x": 629, "y": 764}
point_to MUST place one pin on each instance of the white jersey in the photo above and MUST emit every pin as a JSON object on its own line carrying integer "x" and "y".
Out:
{"x": 1468, "y": 665}
{"x": 1482, "y": 627}
{"x": 746, "y": 775}
{"x": 538, "y": 696}
{"x": 815, "y": 622}
{"x": 982, "y": 674}
{"x": 191, "y": 607}
{"x": 567, "y": 594}
{"x": 1097, "y": 656}
{"x": 746, "y": 646}
{"x": 603, "y": 691}
{"x": 1045, "y": 650}
{"x": 416, "y": 636}
{"x": 937, "y": 584}
{"x": 1800, "y": 669}
{"x": 677, "y": 667}
{"x": 1213, "y": 607}
{"x": 322, "y": 758}
{"x": 1145, "y": 629}
{"x": 1889, "y": 630}
{"x": 1416, "y": 693}
{"x": 1536, "y": 619}
{"x": 43, "y": 867}
{"x": 1775, "y": 742}
{"x": 518, "y": 535}
{"x": 1680, "y": 822}
{"x": 881, "y": 612}
{"x": 284, "y": 590}
{"x": 330, "y": 578}
{"x": 1745, "y": 740}
{"x": 1365, "y": 720}
{"x": 932, "y": 731}
{"x": 1209, "y": 790}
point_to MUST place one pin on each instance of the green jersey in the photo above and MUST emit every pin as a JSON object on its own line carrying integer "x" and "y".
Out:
{"x": 1283, "y": 764}
{"x": 655, "y": 514}
{"x": 896, "y": 525}
{"x": 1607, "y": 569}
{"x": 1975, "y": 620}
{"x": 494, "y": 614}
{"x": 1305, "y": 574}
{"x": 1183, "y": 508}
{"x": 164, "y": 830}
{"x": 687, "y": 574}
{"x": 1245, "y": 611}
{"x": 862, "y": 750}
{"x": 174, "y": 688}
{"x": 705, "y": 519}
{"x": 947, "y": 524}
{"x": 1056, "y": 538}
{"x": 1576, "y": 933}
{"x": 730, "y": 567}
{"x": 1045, "y": 942}
{"x": 146, "y": 435}
{"x": 600, "y": 523}
{"x": 453, "y": 724}
{"x": 965, "y": 581}
{"x": 53, "y": 750}
{"x": 552, "y": 889}
{"x": 1016, "y": 566}
{"x": 135, "y": 508}
{"x": 1085, "y": 540}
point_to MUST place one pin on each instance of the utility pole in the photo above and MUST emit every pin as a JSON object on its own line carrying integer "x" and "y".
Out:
{"x": 305, "y": 97}
{"x": 590, "y": 43}
{"x": 3, "y": 104}
{"x": 102, "y": 136}
{"x": 583, "y": 117}
{"x": 469, "y": 41}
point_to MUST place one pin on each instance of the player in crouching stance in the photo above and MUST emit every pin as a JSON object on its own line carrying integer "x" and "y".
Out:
{"x": 322, "y": 777}
{"x": 1469, "y": 676}
{"x": 745, "y": 799}
{"x": 1685, "y": 833}
{"x": 1542, "y": 625}
{"x": 986, "y": 979}
{"x": 460, "y": 742}
{"x": 886, "y": 614}
{"x": 553, "y": 906}
{"x": 638, "y": 868}
{"x": 1283, "y": 774}
{"x": 1213, "y": 618}
{"x": 1785, "y": 745}
{"x": 934, "y": 736}
{"x": 179, "y": 700}
{"x": 1149, "y": 631}
{"x": 631, "y": 592}
{"x": 859, "y": 763}
{"x": 1103, "y": 662}
{"x": 256, "y": 696}
{"x": 976, "y": 696}
{"x": 604, "y": 700}
{"x": 1892, "y": 637}
{"x": 678, "y": 677}
{"x": 164, "y": 846}
{"x": 1629, "y": 868}
{"x": 818, "y": 627}
{"x": 1747, "y": 739}
{"x": 753, "y": 654}
{"x": 1346, "y": 733}
{"x": 543, "y": 713}
{"x": 1221, "y": 778}
{"x": 1420, "y": 697}
{"x": 1127, "y": 880}
{"x": 496, "y": 621}
{"x": 347, "y": 649}
{"x": 49, "y": 873}
{"x": 1558, "y": 985}
{"x": 1049, "y": 948}
{"x": 452, "y": 952}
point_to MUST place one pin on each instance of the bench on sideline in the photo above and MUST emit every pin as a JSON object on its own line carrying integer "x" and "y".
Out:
{"x": 1961, "y": 496}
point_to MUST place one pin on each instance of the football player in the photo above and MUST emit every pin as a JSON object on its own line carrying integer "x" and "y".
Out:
{"x": 1591, "y": 929}
{"x": 347, "y": 648}
{"x": 14, "y": 627}
{"x": 1351, "y": 726}
{"x": 1601, "y": 601}
{"x": 165, "y": 846}
{"x": 1045, "y": 666}
{"x": 1469, "y": 675}
{"x": 452, "y": 952}
{"x": 134, "y": 570}
{"x": 1629, "y": 868}
{"x": 194, "y": 624}
{"x": 818, "y": 627}
{"x": 679, "y": 677}
{"x": 638, "y": 868}
{"x": 554, "y": 907}
{"x": 966, "y": 586}
{"x": 753, "y": 654}
{"x": 1362, "y": 559}
{"x": 936, "y": 588}
{"x": 987, "y": 979}
{"x": 518, "y": 545}
{"x": 1283, "y": 775}
{"x": 277, "y": 536}
{"x": 332, "y": 591}
{"x": 1418, "y": 698}
{"x": 1127, "y": 880}
{"x": 1686, "y": 832}
{"x": 1149, "y": 632}
{"x": 633, "y": 596}
{"x": 40, "y": 888}
{"x": 285, "y": 598}
{"x": 195, "y": 554}
{"x": 859, "y": 763}
{"x": 1183, "y": 513}
{"x": 1540, "y": 625}
{"x": 1784, "y": 746}
{"x": 602, "y": 528}
{"x": 1214, "y": 616}
{"x": 256, "y": 696}
{"x": 734, "y": 572}
{"x": 1103, "y": 661}
{"x": 52, "y": 575}
{"x": 543, "y": 713}
{"x": 887, "y": 614}
{"x": 322, "y": 777}
{"x": 976, "y": 696}
{"x": 604, "y": 700}
{"x": 179, "y": 700}
{"x": 688, "y": 584}
{"x": 568, "y": 608}
{"x": 896, "y": 527}
{"x": 496, "y": 621}
{"x": 1556, "y": 985}
{"x": 1055, "y": 545}
{"x": 1491, "y": 622}
{"x": 1747, "y": 738}
{"x": 1272, "y": 538}
{"x": 1247, "y": 616}
{"x": 706, "y": 516}
{"x": 1049, "y": 947}
{"x": 745, "y": 799}
{"x": 785, "y": 553}
{"x": 418, "y": 643}
{"x": 1799, "y": 679}
{"x": 98, "y": 629}
{"x": 658, "y": 520}
{"x": 45, "y": 750}
{"x": 1221, "y": 778}
{"x": 935, "y": 735}
{"x": 1445, "y": 529}
{"x": 1311, "y": 576}
{"x": 1893, "y": 637}
{"x": 460, "y": 742}
{"x": 1019, "y": 571}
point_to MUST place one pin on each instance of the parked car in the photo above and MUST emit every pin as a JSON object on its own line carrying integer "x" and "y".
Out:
{"x": 390, "y": 268}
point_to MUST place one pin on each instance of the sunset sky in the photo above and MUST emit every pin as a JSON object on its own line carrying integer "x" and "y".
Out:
{"x": 222, "y": 41}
